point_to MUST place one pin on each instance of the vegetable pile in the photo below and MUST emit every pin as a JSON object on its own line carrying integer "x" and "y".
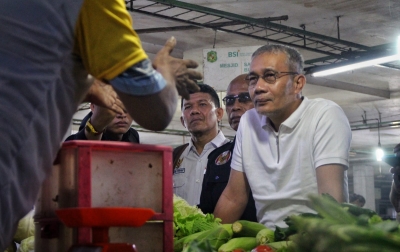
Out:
{"x": 190, "y": 219}
{"x": 196, "y": 231}
{"x": 343, "y": 227}
{"x": 335, "y": 227}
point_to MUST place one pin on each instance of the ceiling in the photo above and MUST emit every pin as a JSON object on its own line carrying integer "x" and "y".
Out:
{"x": 325, "y": 32}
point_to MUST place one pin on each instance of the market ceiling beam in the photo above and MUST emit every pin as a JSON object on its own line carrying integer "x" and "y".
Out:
{"x": 268, "y": 24}
{"x": 196, "y": 27}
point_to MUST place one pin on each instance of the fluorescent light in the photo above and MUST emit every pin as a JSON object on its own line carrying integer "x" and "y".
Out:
{"x": 379, "y": 154}
{"x": 361, "y": 64}
{"x": 357, "y": 65}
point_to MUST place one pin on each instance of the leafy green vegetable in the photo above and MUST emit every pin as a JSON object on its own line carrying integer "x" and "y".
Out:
{"x": 282, "y": 233}
{"x": 25, "y": 228}
{"x": 343, "y": 228}
{"x": 375, "y": 219}
{"x": 27, "y": 245}
{"x": 182, "y": 207}
{"x": 331, "y": 210}
{"x": 190, "y": 219}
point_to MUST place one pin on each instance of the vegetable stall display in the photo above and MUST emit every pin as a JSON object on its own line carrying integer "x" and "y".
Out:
{"x": 334, "y": 227}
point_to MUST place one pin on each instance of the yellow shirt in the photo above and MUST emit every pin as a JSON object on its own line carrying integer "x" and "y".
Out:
{"x": 105, "y": 39}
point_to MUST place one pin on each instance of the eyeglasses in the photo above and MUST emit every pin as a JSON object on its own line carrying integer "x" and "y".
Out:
{"x": 269, "y": 76}
{"x": 229, "y": 100}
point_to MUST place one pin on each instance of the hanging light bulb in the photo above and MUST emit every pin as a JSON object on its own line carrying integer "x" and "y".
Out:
{"x": 379, "y": 154}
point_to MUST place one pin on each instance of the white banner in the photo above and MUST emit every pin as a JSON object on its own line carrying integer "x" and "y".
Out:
{"x": 221, "y": 65}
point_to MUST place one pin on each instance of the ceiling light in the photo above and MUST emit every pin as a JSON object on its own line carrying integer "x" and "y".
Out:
{"x": 361, "y": 62}
{"x": 379, "y": 154}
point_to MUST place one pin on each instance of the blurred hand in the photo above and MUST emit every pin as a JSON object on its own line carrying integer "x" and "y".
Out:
{"x": 177, "y": 70}
{"x": 104, "y": 95}
{"x": 101, "y": 117}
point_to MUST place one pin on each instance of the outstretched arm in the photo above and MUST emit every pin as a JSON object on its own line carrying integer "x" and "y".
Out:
{"x": 154, "y": 109}
{"x": 234, "y": 198}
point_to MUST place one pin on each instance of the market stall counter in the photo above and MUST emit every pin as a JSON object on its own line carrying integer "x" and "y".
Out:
{"x": 99, "y": 174}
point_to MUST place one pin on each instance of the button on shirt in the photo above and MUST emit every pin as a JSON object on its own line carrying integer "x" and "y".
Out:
{"x": 188, "y": 177}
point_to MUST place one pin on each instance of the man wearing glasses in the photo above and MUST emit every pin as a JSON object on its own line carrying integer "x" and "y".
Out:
{"x": 288, "y": 146}
{"x": 237, "y": 101}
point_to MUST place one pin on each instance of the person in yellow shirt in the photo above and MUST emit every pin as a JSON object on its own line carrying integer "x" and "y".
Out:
{"x": 47, "y": 50}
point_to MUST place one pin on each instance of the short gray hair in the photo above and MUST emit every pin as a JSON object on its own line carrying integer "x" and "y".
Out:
{"x": 295, "y": 60}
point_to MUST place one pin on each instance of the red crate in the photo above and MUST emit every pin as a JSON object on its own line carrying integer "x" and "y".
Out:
{"x": 108, "y": 174}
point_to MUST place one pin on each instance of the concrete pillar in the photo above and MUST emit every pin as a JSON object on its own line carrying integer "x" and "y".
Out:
{"x": 363, "y": 181}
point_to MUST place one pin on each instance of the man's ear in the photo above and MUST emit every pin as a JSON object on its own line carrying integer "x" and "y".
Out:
{"x": 183, "y": 122}
{"x": 220, "y": 113}
{"x": 299, "y": 82}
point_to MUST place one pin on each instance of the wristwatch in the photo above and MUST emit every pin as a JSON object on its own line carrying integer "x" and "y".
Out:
{"x": 89, "y": 127}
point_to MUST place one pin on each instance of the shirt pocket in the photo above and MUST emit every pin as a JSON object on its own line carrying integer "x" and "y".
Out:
{"x": 179, "y": 178}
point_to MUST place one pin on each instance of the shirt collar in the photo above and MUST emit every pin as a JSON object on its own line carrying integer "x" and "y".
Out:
{"x": 217, "y": 141}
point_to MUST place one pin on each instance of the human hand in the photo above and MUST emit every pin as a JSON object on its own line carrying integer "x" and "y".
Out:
{"x": 104, "y": 95}
{"x": 177, "y": 70}
{"x": 101, "y": 117}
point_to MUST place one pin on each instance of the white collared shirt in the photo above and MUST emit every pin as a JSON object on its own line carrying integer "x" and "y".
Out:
{"x": 280, "y": 166}
{"x": 189, "y": 174}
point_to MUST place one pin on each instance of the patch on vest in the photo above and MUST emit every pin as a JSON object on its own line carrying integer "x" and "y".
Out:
{"x": 178, "y": 163}
{"x": 179, "y": 170}
{"x": 223, "y": 158}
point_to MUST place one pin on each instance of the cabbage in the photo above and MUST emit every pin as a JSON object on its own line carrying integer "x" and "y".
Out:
{"x": 183, "y": 208}
{"x": 190, "y": 219}
{"x": 27, "y": 245}
{"x": 25, "y": 228}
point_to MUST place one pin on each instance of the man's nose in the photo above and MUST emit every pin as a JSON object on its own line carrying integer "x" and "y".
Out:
{"x": 121, "y": 115}
{"x": 261, "y": 86}
{"x": 236, "y": 105}
{"x": 194, "y": 110}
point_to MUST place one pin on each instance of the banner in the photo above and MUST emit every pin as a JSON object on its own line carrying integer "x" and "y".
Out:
{"x": 221, "y": 65}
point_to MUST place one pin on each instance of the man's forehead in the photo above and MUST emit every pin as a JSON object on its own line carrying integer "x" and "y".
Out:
{"x": 269, "y": 60}
{"x": 237, "y": 88}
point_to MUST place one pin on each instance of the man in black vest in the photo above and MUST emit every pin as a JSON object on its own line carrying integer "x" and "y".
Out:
{"x": 237, "y": 101}
{"x": 201, "y": 114}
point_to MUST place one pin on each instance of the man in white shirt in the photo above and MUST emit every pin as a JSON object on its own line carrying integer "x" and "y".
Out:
{"x": 288, "y": 146}
{"x": 201, "y": 114}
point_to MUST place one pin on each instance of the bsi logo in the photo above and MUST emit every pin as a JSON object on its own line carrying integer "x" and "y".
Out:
{"x": 212, "y": 56}
{"x": 233, "y": 54}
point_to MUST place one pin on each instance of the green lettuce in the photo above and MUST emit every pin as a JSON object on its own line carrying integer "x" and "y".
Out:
{"x": 190, "y": 219}
{"x": 27, "y": 245}
{"x": 25, "y": 228}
